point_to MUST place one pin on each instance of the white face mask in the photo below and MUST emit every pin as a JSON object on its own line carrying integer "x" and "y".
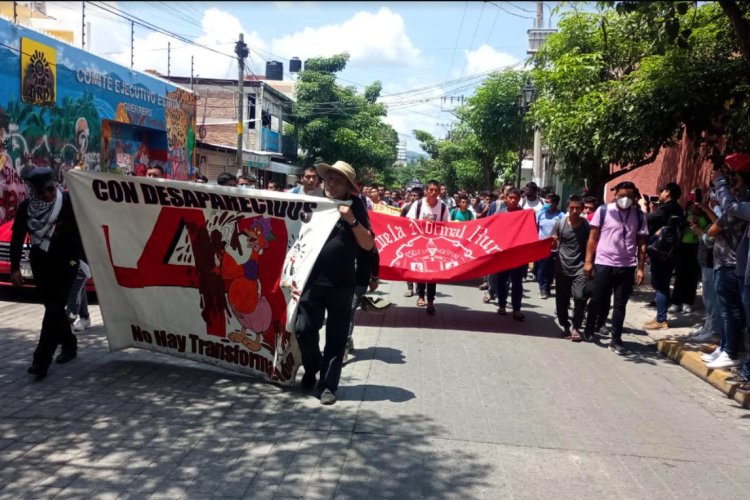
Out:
{"x": 624, "y": 203}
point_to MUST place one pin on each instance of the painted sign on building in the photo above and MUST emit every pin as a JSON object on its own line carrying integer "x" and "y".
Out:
{"x": 62, "y": 107}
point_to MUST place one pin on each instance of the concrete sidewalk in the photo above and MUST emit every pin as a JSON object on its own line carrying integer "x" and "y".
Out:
{"x": 463, "y": 404}
{"x": 675, "y": 342}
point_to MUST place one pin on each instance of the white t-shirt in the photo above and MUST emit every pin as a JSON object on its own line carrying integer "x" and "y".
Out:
{"x": 439, "y": 212}
{"x": 536, "y": 205}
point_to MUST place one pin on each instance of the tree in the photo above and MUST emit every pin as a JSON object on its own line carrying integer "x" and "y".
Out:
{"x": 493, "y": 118}
{"x": 617, "y": 86}
{"x": 337, "y": 123}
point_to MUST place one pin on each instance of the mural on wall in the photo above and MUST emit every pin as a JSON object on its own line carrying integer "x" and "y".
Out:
{"x": 59, "y": 107}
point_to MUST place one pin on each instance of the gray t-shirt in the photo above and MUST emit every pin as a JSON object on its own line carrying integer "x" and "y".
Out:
{"x": 571, "y": 246}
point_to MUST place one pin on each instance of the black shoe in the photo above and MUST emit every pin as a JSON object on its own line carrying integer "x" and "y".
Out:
{"x": 67, "y": 355}
{"x": 37, "y": 370}
{"x": 308, "y": 381}
{"x": 618, "y": 349}
{"x": 327, "y": 397}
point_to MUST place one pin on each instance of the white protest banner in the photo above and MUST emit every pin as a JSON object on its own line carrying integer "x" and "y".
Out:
{"x": 195, "y": 270}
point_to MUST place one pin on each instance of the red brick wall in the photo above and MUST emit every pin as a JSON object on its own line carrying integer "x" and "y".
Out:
{"x": 684, "y": 164}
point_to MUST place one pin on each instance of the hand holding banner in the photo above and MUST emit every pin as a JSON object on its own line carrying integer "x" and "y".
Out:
{"x": 432, "y": 252}
{"x": 194, "y": 270}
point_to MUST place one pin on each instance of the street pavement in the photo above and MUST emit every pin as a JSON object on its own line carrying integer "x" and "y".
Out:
{"x": 463, "y": 404}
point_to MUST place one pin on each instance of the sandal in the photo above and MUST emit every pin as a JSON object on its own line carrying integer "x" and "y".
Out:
{"x": 487, "y": 298}
{"x": 575, "y": 335}
{"x": 421, "y": 302}
{"x": 430, "y": 309}
{"x": 409, "y": 293}
{"x": 518, "y": 316}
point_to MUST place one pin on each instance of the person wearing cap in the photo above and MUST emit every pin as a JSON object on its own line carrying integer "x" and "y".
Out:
{"x": 668, "y": 212}
{"x": 330, "y": 287}
{"x": 732, "y": 185}
{"x": 56, "y": 249}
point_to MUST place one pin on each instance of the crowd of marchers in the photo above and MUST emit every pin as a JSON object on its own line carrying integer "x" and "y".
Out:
{"x": 600, "y": 251}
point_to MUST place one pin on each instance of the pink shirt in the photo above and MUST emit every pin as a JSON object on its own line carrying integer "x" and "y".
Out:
{"x": 618, "y": 239}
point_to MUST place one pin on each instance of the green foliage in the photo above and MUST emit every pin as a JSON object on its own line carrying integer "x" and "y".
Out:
{"x": 336, "y": 123}
{"x": 616, "y": 86}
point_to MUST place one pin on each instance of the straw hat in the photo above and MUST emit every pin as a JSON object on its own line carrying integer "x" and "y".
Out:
{"x": 341, "y": 167}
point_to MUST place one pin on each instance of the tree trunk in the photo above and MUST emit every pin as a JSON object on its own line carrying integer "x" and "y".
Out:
{"x": 740, "y": 26}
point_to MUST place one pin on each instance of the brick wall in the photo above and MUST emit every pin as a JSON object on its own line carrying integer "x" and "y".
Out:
{"x": 684, "y": 164}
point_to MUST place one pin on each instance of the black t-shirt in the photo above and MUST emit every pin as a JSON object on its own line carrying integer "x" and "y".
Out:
{"x": 335, "y": 264}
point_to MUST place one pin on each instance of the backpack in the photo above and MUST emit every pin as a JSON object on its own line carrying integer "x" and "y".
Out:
{"x": 668, "y": 240}
{"x": 442, "y": 210}
{"x": 603, "y": 217}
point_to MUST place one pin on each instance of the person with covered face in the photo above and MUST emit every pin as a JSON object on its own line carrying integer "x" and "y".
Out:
{"x": 56, "y": 249}
{"x": 615, "y": 260}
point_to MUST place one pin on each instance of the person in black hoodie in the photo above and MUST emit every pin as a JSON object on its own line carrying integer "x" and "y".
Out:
{"x": 47, "y": 217}
{"x": 668, "y": 212}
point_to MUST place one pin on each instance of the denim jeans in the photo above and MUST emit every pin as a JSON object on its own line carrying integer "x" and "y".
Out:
{"x": 661, "y": 275}
{"x": 515, "y": 277}
{"x": 713, "y": 316}
{"x": 745, "y": 369}
{"x": 606, "y": 280}
{"x": 545, "y": 273}
{"x": 728, "y": 287}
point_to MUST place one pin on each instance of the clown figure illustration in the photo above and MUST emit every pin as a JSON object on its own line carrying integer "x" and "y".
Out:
{"x": 243, "y": 288}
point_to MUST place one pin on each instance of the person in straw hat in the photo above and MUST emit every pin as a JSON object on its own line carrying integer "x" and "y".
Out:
{"x": 330, "y": 287}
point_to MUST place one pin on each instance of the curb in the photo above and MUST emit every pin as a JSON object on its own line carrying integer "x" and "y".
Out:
{"x": 689, "y": 357}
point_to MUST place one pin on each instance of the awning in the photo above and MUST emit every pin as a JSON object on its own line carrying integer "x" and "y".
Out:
{"x": 283, "y": 168}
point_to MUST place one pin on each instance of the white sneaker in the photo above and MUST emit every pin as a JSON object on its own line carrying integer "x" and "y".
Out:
{"x": 712, "y": 355}
{"x": 674, "y": 308}
{"x": 723, "y": 361}
{"x": 687, "y": 309}
{"x": 81, "y": 324}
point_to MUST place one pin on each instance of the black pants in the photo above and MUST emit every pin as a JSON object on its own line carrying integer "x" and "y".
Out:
{"x": 606, "y": 280}
{"x": 568, "y": 286}
{"x": 315, "y": 302}
{"x": 687, "y": 274}
{"x": 53, "y": 279}
{"x": 430, "y": 287}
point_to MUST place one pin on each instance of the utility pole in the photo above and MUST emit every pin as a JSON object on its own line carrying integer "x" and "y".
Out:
{"x": 132, "y": 44}
{"x": 83, "y": 23}
{"x": 169, "y": 58}
{"x": 539, "y": 15}
{"x": 242, "y": 52}
{"x": 15, "y": 12}
{"x": 192, "y": 60}
{"x": 537, "y": 172}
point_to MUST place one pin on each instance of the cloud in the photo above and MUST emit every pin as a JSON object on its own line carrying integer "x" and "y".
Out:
{"x": 371, "y": 39}
{"x": 486, "y": 58}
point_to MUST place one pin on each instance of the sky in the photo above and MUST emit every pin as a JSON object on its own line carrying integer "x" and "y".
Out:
{"x": 424, "y": 53}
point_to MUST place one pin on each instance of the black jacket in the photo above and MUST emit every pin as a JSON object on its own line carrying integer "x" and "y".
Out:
{"x": 65, "y": 243}
{"x": 660, "y": 217}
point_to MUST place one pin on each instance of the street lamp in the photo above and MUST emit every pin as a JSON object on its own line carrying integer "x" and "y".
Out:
{"x": 525, "y": 98}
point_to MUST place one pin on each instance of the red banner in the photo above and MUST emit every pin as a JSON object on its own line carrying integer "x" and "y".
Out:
{"x": 431, "y": 252}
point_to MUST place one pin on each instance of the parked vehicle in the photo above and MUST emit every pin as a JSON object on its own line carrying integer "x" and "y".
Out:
{"x": 28, "y": 277}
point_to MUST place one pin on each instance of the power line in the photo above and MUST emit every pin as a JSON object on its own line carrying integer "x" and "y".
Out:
{"x": 510, "y": 12}
{"x": 147, "y": 25}
{"x": 520, "y": 8}
{"x": 473, "y": 37}
{"x": 458, "y": 37}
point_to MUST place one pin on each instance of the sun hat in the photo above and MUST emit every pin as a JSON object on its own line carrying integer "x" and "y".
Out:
{"x": 341, "y": 167}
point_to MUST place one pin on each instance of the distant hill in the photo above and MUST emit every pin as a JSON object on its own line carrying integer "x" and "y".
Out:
{"x": 412, "y": 156}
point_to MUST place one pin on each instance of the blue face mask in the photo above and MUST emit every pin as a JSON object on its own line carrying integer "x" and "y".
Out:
{"x": 546, "y": 206}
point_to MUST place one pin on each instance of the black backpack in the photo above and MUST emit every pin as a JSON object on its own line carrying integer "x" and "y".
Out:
{"x": 668, "y": 240}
